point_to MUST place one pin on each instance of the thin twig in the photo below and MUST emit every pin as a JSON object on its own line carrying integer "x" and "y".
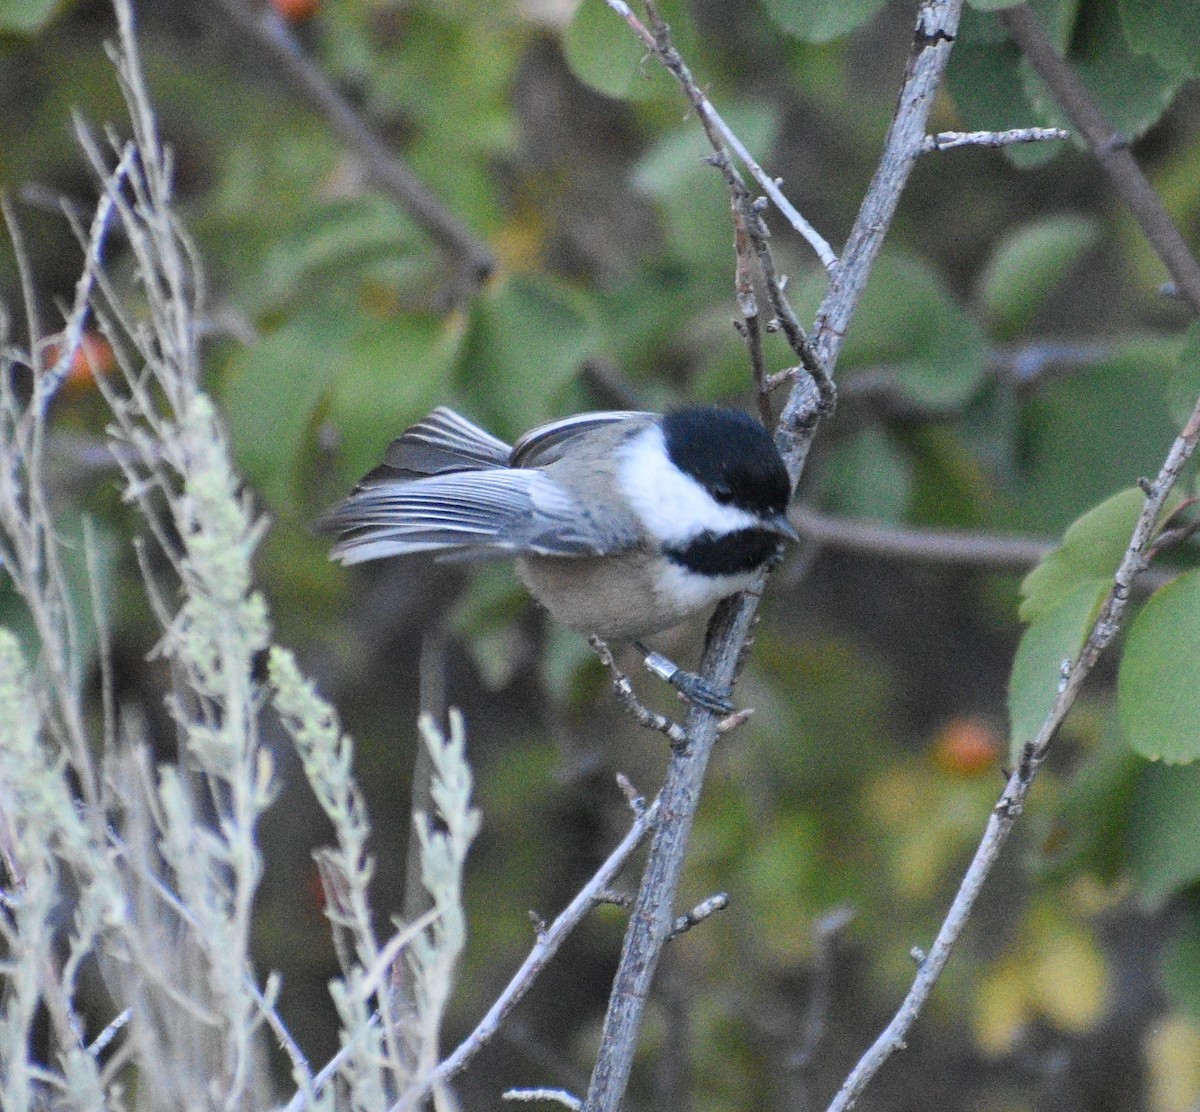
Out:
{"x": 732, "y": 721}
{"x": 785, "y": 315}
{"x": 274, "y": 44}
{"x": 950, "y": 140}
{"x": 749, "y": 327}
{"x": 93, "y": 243}
{"x": 546, "y": 946}
{"x": 96, "y": 1047}
{"x": 1110, "y": 148}
{"x": 718, "y": 131}
{"x": 623, "y": 689}
{"x": 751, "y": 232}
{"x": 719, "y": 901}
{"x": 937, "y": 25}
{"x": 548, "y": 1096}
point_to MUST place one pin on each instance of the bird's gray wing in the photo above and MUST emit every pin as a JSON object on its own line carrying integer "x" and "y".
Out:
{"x": 468, "y": 515}
{"x": 544, "y": 445}
{"x": 442, "y": 443}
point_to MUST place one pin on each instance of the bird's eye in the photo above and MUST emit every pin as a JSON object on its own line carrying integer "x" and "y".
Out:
{"x": 722, "y": 492}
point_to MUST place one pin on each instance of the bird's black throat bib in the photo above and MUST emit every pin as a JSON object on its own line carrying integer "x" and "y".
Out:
{"x": 735, "y": 553}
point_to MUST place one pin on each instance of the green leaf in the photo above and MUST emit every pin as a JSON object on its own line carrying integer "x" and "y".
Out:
{"x": 1057, "y": 635}
{"x": 26, "y": 17}
{"x": 603, "y": 51}
{"x": 1027, "y": 264}
{"x": 1181, "y": 959}
{"x": 869, "y": 476}
{"x": 271, "y": 391}
{"x": 909, "y": 326}
{"x": 1185, "y": 386}
{"x": 1159, "y": 677}
{"x": 527, "y": 342}
{"x": 1167, "y": 30}
{"x": 1082, "y": 438}
{"x": 1164, "y": 833}
{"x": 388, "y": 373}
{"x": 821, "y": 20}
{"x": 1091, "y": 549}
{"x": 700, "y": 232}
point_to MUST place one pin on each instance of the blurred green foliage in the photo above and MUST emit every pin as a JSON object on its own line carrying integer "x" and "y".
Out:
{"x": 544, "y": 127}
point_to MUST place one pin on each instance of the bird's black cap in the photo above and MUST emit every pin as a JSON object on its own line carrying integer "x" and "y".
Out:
{"x": 731, "y": 455}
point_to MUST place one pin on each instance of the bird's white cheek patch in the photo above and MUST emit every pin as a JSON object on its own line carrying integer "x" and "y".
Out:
{"x": 673, "y": 507}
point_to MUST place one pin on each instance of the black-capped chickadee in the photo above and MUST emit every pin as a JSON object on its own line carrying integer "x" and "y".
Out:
{"x": 622, "y": 524}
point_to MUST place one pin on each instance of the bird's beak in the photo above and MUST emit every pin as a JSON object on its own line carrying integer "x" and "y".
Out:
{"x": 780, "y": 524}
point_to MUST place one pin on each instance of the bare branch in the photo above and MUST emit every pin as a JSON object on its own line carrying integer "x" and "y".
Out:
{"x": 273, "y": 43}
{"x": 623, "y": 689}
{"x": 653, "y": 917}
{"x": 546, "y": 946}
{"x": 718, "y": 131}
{"x": 949, "y": 140}
{"x": 956, "y": 547}
{"x": 719, "y": 901}
{"x": 1110, "y": 148}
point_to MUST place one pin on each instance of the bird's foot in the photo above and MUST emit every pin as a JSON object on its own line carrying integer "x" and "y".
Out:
{"x": 695, "y": 689}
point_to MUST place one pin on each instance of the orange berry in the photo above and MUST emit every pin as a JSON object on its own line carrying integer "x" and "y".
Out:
{"x": 94, "y": 356}
{"x": 966, "y": 747}
{"x": 295, "y": 11}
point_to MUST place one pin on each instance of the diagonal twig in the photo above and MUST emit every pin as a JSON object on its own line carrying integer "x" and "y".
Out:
{"x": 386, "y": 169}
{"x": 720, "y": 135}
{"x": 547, "y": 945}
{"x": 1110, "y": 148}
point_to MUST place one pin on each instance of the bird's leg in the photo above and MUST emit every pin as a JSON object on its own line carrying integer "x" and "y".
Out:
{"x": 695, "y": 689}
